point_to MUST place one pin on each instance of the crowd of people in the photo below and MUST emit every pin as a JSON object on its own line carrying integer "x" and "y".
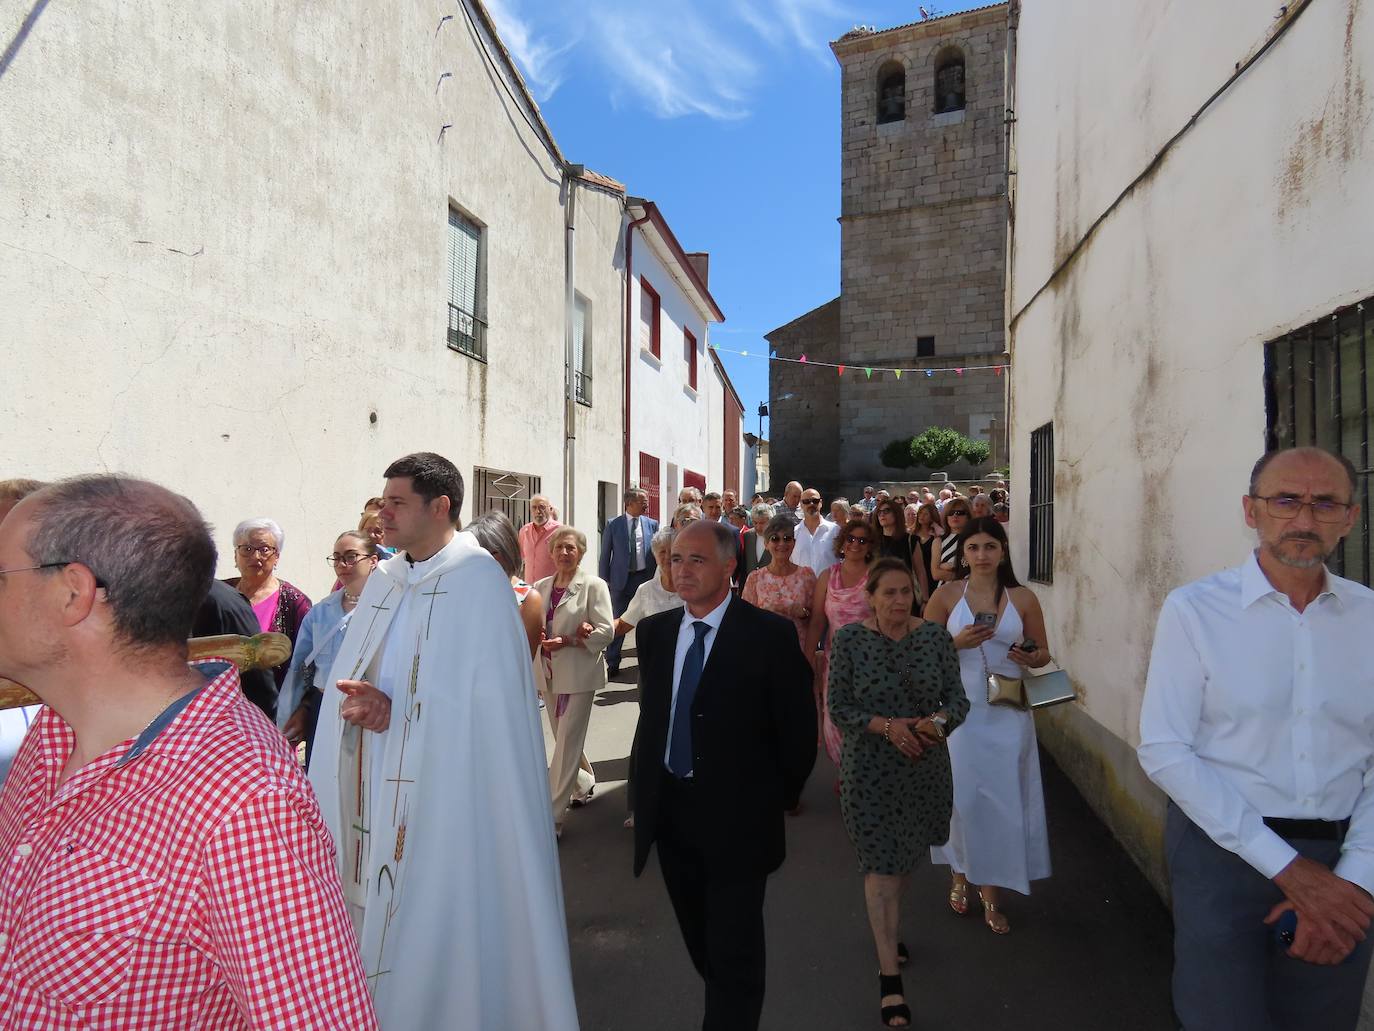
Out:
{"x": 312, "y": 809}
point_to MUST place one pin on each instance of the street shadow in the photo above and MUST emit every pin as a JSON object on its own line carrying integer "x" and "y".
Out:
{"x": 630, "y": 694}
{"x": 612, "y": 769}
{"x": 25, "y": 27}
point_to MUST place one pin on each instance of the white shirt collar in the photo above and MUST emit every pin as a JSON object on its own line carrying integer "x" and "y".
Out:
{"x": 1254, "y": 585}
{"x": 713, "y": 617}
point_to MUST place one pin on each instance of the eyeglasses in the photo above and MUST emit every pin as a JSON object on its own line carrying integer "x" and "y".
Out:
{"x": 1285, "y": 506}
{"x": 811, "y": 501}
{"x": 348, "y": 558}
{"x": 778, "y": 538}
{"x": 261, "y": 550}
{"x": 49, "y": 565}
{"x": 851, "y": 539}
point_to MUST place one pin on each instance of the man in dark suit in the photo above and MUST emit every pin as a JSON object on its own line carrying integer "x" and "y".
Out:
{"x": 626, "y": 561}
{"x": 752, "y": 552}
{"x": 726, "y": 739}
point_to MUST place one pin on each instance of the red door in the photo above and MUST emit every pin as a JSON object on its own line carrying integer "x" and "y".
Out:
{"x": 648, "y": 481}
{"x": 691, "y": 479}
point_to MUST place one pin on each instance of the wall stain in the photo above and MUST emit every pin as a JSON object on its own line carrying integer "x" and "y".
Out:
{"x": 1332, "y": 138}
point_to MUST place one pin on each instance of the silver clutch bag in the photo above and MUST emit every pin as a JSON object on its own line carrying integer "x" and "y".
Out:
{"x": 1046, "y": 689}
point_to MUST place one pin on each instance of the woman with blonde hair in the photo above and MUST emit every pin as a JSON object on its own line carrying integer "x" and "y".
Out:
{"x": 578, "y": 627}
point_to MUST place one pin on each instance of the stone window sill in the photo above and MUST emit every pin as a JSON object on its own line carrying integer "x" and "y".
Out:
{"x": 948, "y": 118}
{"x": 651, "y": 358}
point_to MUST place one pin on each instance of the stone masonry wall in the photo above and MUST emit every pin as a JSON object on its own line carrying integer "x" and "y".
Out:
{"x": 804, "y": 429}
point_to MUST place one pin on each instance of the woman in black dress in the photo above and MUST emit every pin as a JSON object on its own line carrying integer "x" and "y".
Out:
{"x": 895, "y": 693}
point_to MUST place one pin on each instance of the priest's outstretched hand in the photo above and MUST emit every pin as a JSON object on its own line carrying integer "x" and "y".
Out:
{"x": 365, "y": 706}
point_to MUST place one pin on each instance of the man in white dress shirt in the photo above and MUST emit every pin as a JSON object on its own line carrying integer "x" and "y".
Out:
{"x": 815, "y": 535}
{"x": 1258, "y": 722}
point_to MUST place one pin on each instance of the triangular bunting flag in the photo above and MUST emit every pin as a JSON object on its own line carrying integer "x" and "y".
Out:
{"x": 841, "y": 370}
{"x": 897, "y": 373}
{"x": 745, "y": 353}
{"x": 802, "y": 358}
{"x": 868, "y": 373}
{"x": 959, "y": 371}
{"x": 998, "y": 370}
{"x": 930, "y": 373}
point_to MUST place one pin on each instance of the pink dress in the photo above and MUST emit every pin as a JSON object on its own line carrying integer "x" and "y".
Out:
{"x": 843, "y": 605}
{"x": 782, "y": 594}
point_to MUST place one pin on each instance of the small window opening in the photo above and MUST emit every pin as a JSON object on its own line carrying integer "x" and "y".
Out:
{"x": 949, "y": 82}
{"x": 891, "y": 93}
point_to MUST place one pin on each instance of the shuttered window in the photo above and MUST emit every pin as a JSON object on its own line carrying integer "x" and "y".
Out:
{"x": 582, "y": 350}
{"x": 649, "y": 311}
{"x": 466, "y": 303}
{"x": 648, "y": 482}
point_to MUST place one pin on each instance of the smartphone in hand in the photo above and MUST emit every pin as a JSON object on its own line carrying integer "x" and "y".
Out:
{"x": 987, "y": 619}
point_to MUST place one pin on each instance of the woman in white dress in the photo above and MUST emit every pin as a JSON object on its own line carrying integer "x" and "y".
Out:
{"x": 997, "y": 837}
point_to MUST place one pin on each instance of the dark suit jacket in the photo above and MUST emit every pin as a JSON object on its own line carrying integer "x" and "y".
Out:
{"x": 614, "y": 565}
{"x": 753, "y": 733}
{"x": 747, "y": 562}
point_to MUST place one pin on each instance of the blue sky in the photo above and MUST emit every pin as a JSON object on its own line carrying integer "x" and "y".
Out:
{"x": 726, "y": 114}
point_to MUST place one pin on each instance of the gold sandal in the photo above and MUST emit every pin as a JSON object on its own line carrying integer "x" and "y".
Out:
{"x": 991, "y": 910}
{"x": 958, "y": 898}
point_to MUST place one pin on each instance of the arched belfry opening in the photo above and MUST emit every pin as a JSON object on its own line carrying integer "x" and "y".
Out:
{"x": 949, "y": 81}
{"x": 891, "y": 93}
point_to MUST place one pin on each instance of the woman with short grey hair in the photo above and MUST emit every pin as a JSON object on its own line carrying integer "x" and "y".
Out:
{"x": 279, "y": 606}
{"x": 687, "y": 512}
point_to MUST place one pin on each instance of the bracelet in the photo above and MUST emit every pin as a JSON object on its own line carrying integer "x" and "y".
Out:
{"x": 887, "y": 731}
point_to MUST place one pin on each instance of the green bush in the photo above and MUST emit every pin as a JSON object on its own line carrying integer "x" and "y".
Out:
{"x": 976, "y": 452}
{"x": 896, "y": 454}
{"x": 937, "y": 447}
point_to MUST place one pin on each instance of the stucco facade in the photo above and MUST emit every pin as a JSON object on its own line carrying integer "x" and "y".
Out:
{"x": 1147, "y": 278}
{"x": 225, "y": 260}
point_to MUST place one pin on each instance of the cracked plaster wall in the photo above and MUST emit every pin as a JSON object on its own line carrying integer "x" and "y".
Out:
{"x": 223, "y": 247}
{"x": 1146, "y": 350}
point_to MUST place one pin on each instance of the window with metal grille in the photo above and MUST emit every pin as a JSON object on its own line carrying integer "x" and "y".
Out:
{"x": 649, "y": 318}
{"x": 496, "y": 489}
{"x": 1317, "y": 385}
{"x": 925, "y": 347}
{"x": 582, "y": 350}
{"x": 689, "y": 354}
{"x": 1042, "y": 504}
{"x": 467, "y": 328}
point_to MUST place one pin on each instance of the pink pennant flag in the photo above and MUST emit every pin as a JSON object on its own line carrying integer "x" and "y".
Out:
{"x": 999, "y": 369}
{"x": 841, "y": 370}
{"x": 959, "y": 372}
{"x": 802, "y": 358}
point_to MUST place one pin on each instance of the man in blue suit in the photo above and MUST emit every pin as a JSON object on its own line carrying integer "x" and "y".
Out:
{"x": 626, "y": 561}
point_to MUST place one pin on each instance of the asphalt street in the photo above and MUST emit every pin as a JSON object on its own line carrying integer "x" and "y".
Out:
{"x": 1089, "y": 949}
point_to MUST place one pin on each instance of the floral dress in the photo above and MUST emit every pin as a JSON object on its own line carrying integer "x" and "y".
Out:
{"x": 894, "y": 809}
{"x": 782, "y": 594}
{"x": 843, "y": 605}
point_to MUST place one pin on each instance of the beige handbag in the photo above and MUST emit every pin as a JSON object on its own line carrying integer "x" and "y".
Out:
{"x": 1008, "y": 691}
{"x": 1035, "y": 691}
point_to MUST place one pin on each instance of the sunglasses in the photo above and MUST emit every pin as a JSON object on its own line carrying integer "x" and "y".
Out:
{"x": 851, "y": 539}
{"x": 778, "y": 538}
{"x": 956, "y": 512}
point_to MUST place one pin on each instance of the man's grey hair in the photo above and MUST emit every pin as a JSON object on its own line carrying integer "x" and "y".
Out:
{"x": 840, "y": 501}
{"x": 692, "y": 492}
{"x": 496, "y": 535}
{"x": 150, "y": 549}
{"x": 631, "y": 494}
{"x": 725, "y": 535}
{"x": 662, "y": 538}
{"x": 760, "y": 511}
{"x": 246, "y": 527}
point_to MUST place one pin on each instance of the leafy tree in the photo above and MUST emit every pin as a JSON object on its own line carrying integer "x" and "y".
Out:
{"x": 976, "y": 452}
{"x": 896, "y": 454}
{"x": 937, "y": 447}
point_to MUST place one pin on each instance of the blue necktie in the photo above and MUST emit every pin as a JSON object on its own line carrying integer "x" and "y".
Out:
{"x": 680, "y": 752}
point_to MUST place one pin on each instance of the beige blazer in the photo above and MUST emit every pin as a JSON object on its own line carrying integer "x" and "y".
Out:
{"x": 577, "y": 669}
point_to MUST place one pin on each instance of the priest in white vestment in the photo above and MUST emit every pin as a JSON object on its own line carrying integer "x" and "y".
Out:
{"x": 446, "y": 846}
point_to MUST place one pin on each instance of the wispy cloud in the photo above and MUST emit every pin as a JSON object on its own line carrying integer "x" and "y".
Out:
{"x": 542, "y": 60}
{"x": 704, "y": 58}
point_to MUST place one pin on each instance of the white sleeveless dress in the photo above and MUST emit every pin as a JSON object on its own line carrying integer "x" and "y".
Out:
{"x": 997, "y": 835}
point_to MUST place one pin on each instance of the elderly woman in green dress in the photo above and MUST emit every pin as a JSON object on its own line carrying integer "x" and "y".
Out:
{"x": 895, "y": 693}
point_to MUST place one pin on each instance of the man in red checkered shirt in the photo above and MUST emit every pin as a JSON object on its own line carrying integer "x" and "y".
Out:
{"x": 163, "y": 864}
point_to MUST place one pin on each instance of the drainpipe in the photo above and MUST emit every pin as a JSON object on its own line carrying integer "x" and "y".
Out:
{"x": 570, "y": 176}
{"x": 629, "y": 337}
{"x": 1009, "y": 116}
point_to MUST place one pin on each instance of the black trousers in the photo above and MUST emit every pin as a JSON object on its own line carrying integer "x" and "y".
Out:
{"x": 1229, "y": 973}
{"x": 620, "y": 601}
{"x": 720, "y": 912}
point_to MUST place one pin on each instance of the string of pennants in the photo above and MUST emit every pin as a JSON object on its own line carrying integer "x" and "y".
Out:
{"x": 867, "y": 370}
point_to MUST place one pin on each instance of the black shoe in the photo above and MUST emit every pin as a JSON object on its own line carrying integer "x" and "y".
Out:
{"x": 578, "y": 803}
{"x": 891, "y": 984}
